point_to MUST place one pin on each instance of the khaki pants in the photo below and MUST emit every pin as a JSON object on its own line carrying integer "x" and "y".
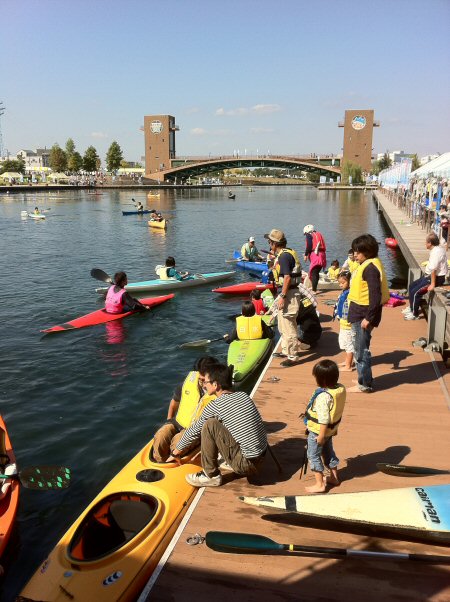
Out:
{"x": 287, "y": 324}
{"x": 217, "y": 439}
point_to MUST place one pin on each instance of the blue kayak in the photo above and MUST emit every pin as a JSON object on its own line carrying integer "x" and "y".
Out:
{"x": 251, "y": 266}
{"x": 136, "y": 212}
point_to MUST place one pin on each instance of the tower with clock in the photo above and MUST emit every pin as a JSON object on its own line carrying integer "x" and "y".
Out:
{"x": 159, "y": 134}
{"x": 358, "y": 136}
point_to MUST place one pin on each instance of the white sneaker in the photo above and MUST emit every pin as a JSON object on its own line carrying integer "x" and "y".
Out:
{"x": 406, "y": 310}
{"x": 410, "y": 316}
{"x": 225, "y": 467}
{"x": 200, "y": 479}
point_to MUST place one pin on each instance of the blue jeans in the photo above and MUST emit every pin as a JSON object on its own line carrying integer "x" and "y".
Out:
{"x": 315, "y": 453}
{"x": 363, "y": 358}
{"x": 414, "y": 288}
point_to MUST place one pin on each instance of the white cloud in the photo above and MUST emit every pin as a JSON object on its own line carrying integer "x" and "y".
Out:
{"x": 261, "y": 130}
{"x": 274, "y": 108}
{"x": 198, "y": 131}
{"x": 99, "y": 135}
{"x": 232, "y": 112}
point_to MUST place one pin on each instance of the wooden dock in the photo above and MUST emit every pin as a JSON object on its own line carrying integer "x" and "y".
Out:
{"x": 405, "y": 420}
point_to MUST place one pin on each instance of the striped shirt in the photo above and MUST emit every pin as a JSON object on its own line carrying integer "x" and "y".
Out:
{"x": 239, "y": 415}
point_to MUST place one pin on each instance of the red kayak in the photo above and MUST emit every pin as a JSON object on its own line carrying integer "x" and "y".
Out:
{"x": 9, "y": 501}
{"x": 101, "y": 316}
{"x": 244, "y": 288}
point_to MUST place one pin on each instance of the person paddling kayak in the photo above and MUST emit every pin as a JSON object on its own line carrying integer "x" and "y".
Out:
{"x": 249, "y": 251}
{"x": 169, "y": 272}
{"x": 118, "y": 301}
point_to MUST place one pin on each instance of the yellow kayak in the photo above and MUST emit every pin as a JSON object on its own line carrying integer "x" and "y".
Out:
{"x": 157, "y": 224}
{"x": 115, "y": 544}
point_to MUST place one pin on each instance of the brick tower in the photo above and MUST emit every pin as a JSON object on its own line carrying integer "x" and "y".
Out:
{"x": 358, "y": 135}
{"x": 159, "y": 133}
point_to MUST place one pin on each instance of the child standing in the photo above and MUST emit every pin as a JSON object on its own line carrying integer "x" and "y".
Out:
{"x": 345, "y": 328}
{"x": 322, "y": 417}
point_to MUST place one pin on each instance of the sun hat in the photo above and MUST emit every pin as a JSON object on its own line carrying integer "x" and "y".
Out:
{"x": 251, "y": 239}
{"x": 276, "y": 236}
{"x": 308, "y": 229}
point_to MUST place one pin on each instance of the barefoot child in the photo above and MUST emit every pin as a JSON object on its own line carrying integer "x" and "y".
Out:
{"x": 322, "y": 417}
{"x": 345, "y": 328}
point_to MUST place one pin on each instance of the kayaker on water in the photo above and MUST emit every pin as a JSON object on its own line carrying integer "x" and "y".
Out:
{"x": 249, "y": 326}
{"x": 139, "y": 207}
{"x": 249, "y": 251}
{"x": 156, "y": 216}
{"x": 230, "y": 426}
{"x": 36, "y": 211}
{"x": 287, "y": 275}
{"x": 168, "y": 272}
{"x": 186, "y": 406}
{"x": 118, "y": 301}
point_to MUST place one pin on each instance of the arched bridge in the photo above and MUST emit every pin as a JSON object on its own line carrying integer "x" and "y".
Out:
{"x": 184, "y": 168}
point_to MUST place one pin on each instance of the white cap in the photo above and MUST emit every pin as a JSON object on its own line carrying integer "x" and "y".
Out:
{"x": 251, "y": 239}
{"x": 308, "y": 229}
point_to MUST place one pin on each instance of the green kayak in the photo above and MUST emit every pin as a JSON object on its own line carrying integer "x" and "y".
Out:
{"x": 247, "y": 356}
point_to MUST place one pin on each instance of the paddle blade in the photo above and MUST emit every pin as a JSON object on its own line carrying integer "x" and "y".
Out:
{"x": 400, "y": 470}
{"x": 233, "y": 260}
{"x": 241, "y": 543}
{"x": 101, "y": 275}
{"x": 45, "y": 477}
{"x": 199, "y": 343}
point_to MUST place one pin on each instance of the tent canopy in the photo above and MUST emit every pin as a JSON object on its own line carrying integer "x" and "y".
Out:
{"x": 438, "y": 167}
{"x": 8, "y": 175}
{"x": 58, "y": 176}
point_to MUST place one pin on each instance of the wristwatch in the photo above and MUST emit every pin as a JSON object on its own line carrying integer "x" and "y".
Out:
{"x": 282, "y": 295}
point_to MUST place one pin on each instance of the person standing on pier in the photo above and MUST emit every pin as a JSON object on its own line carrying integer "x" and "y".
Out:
{"x": 287, "y": 275}
{"x": 368, "y": 292}
{"x": 315, "y": 253}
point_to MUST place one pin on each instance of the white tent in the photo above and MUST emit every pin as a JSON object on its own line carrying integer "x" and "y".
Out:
{"x": 439, "y": 167}
{"x": 9, "y": 175}
{"x": 56, "y": 177}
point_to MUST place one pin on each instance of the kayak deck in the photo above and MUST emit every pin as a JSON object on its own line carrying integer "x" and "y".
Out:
{"x": 247, "y": 356}
{"x": 157, "y": 284}
{"x": 244, "y": 288}
{"x": 252, "y": 266}
{"x": 101, "y": 316}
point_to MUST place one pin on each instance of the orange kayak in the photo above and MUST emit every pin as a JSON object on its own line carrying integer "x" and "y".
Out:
{"x": 10, "y": 501}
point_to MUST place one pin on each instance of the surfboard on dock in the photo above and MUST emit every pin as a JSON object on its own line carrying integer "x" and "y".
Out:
{"x": 421, "y": 512}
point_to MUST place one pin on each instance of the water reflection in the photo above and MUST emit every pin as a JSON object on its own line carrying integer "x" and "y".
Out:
{"x": 115, "y": 332}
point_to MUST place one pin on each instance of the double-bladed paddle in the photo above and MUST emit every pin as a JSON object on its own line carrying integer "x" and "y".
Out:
{"x": 42, "y": 478}
{"x": 248, "y": 543}
{"x": 400, "y": 470}
{"x": 101, "y": 275}
{"x": 200, "y": 343}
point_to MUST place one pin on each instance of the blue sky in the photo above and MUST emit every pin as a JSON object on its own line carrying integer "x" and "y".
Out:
{"x": 240, "y": 74}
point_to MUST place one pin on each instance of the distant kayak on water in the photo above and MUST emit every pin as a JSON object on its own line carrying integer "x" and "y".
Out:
{"x": 172, "y": 284}
{"x": 101, "y": 316}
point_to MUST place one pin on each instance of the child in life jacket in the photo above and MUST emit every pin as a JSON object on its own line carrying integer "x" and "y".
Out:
{"x": 249, "y": 326}
{"x": 333, "y": 270}
{"x": 345, "y": 328}
{"x": 255, "y": 297}
{"x": 118, "y": 301}
{"x": 322, "y": 417}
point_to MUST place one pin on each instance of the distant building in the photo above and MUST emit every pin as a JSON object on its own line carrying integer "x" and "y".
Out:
{"x": 358, "y": 135}
{"x": 396, "y": 156}
{"x": 35, "y": 160}
{"x": 428, "y": 158}
{"x": 159, "y": 132}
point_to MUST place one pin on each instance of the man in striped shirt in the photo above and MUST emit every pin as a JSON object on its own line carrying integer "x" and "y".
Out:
{"x": 230, "y": 426}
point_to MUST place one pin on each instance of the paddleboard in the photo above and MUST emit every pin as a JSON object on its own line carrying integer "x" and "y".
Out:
{"x": 101, "y": 316}
{"x": 422, "y": 512}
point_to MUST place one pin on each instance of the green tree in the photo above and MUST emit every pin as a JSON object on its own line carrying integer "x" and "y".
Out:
{"x": 90, "y": 159}
{"x": 385, "y": 161}
{"x": 13, "y": 165}
{"x": 113, "y": 157}
{"x": 415, "y": 162}
{"x": 58, "y": 158}
{"x": 74, "y": 162}
{"x": 123, "y": 163}
{"x": 353, "y": 170}
{"x": 70, "y": 148}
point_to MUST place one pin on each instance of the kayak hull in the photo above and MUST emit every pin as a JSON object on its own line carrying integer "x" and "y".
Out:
{"x": 421, "y": 512}
{"x": 99, "y": 558}
{"x": 244, "y": 288}
{"x": 251, "y": 266}
{"x": 172, "y": 285}
{"x": 102, "y": 317}
{"x": 162, "y": 225}
{"x": 247, "y": 356}
{"x": 136, "y": 212}
{"x": 9, "y": 503}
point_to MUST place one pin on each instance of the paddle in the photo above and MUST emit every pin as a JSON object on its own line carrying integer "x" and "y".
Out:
{"x": 248, "y": 543}
{"x": 101, "y": 275}
{"x": 234, "y": 260}
{"x": 200, "y": 343}
{"x": 400, "y": 470}
{"x": 42, "y": 477}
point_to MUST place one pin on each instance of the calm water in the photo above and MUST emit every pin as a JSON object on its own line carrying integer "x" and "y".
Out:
{"x": 91, "y": 398}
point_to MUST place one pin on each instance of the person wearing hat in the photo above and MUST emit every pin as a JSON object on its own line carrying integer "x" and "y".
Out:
{"x": 315, "y": 253}
{"x": 287, "y": 273}
{"x": 249, "y": 251}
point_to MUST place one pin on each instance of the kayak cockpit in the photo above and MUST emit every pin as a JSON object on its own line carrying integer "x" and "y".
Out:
{"x": 110, "y": 524}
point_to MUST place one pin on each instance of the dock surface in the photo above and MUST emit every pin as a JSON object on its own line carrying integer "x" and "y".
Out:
{"x": 406, "y": 420}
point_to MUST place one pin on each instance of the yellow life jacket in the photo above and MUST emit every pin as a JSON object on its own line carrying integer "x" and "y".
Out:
{"x": 192, "y": 403}
{"x": 296, "y": 272}
{"x": 338, "y": 394}
{"x": 249, "y": 328}
{"x": 333, "y": 273}
{"x": 161, "y": 271}
{"x": 353, "y": 265}
{"x": 359, "y": 290}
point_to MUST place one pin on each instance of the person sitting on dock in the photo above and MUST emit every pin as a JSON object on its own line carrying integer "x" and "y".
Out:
{"x": 230, "y": 426}
{"x": 368, "y": 292}
{"x": 333, "y": 270}
{"x": 185, "y": 407}
{"x": 249, "y": 326}
{"x": 308, "y": 320}
{"x": 118, "y": 301}
{"x": 249, "y": 251}
{"x": 322, "y": 417}
{"x": 168, "y": 272}
{"x": 435, "y": 274}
